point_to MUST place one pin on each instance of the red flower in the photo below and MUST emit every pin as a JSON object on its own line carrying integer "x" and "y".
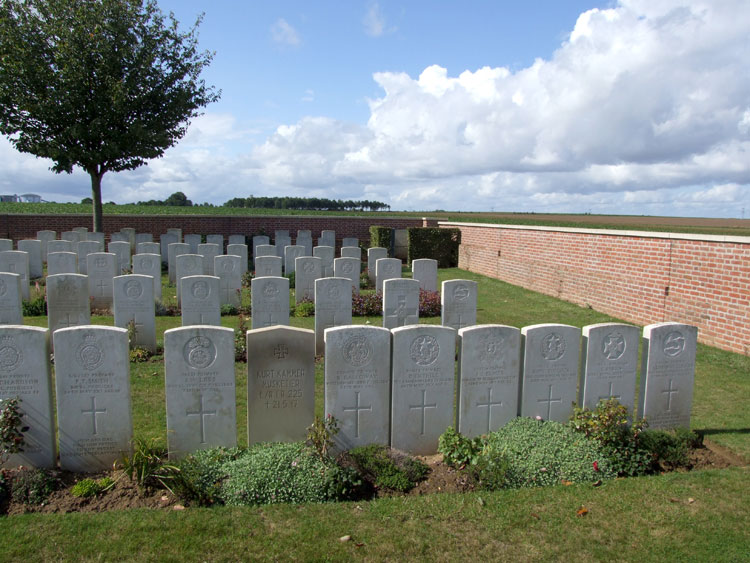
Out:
{"x": 596, "y": 466}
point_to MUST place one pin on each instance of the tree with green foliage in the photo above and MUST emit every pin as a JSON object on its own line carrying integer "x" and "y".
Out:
{"x": 99, "y": 84}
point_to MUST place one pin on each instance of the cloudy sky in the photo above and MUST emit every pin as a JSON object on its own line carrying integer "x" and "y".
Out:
{"x": 627, "y": 107}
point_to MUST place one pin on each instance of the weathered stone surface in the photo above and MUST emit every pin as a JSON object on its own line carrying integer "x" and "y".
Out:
{"x": 149, "y": 265}
{"x": 291, "y": 253}
{"x": 489, "y": 369}
{"x": 240, "y": 250}
{"x": 34, "y": 249}
{"x": 236, "y": 239}
{"x": 357, "y": 384}
{"x": 349, "y": 241}
{"x": 148, "y": 248}
{"x": 308, "y": 269}
{"x": 176, "y": 232}
{"x": 423, "y": 384}
{"x": 59, "y": 246}
{"x": 374, "y": 254}
{"x": 667, "y": 374}
{"x": 333, "y": 307}
{"x": 327, "y": 238}
{"x": 269, "y": 301}
{"x": 72, "y": 236}
{"x": 218, "y": 240}
{"x": 134, "y": 303}
{"x": 424, "y": 270}
{"x": 280, "y": 384}
{"x": 25, "y": 374}
{"x": 62, "y": 263}
{"x": 92, "y": 377}
{"x": 268, "y": 266}
{"x": 326, "y": 255}
{"x": 45, "y": 236}
{"x": 83, "y": 249}
{"x": 17, "y": 262}
{"x": 550, "y": 371}
{"x": 386, "y": 269}
{"x": 11, "y": 312}
{"x": 229, "y": 271}
{"x": 400, "y": 303}
{"x": 348, "y": 268}
{"x": 175, "y": 249}
{"x": 458, "y": 302}
{"x": 261, "y": 240}
{"x": 200, "y": 389}
{"x": 200, "y": 301}
{"x": 187, "y": 265}
{"x": 209, "y": 251}
{"x": 121, "y": 248}
{"x": 67, "y": 301}
{"x": 281, "y": 242}
{"x": 102, "y": 268}
{"x": 164, "y": 242}
{"x": 193, "y": 240}
{"x": 351, "y": 252}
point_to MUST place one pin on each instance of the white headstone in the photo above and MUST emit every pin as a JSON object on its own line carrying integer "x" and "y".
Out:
{"x": 45, "y": 236}
{"x": 25, "y": 374}
{"x": 281, "y": 233}
{"x": 82, "y": 231}
{"x": 351, "y": 252}
{"x": 176, "y": 232}
{"x": 326, "y": 255}
{"x": 209, "y": 251}
{"x": 229, "y": 271}
{"x": 62, "y": 263}
{"x": 489, "y": 370}
{"x": 261, "y": 240}
{"x": 236, "y": 239}
{"x": 308, "y": 269}
{"x": 386, "y": 269}
{"x": 92, "y": 379}
{"x": 102, "y": 268}
{"x": 97, "y": 237}
{"x": 119, "y": 237}
{"x": 148, "y": 248}
{"x": 550, "y": 371}
{"x": 59, "y": 246}
{"x": 667, "y": 374}
{"x": 240, "y": 250}
{"x": 134, "y": 303}
{"x": 333, "y": 307}
{"x": 400, "y": 303}
{"x": 424, "y": 270}
{"x": 200, "y": 389}
{"x": 17, "y": 262}
{"x": 121, "y": 248}
{"x": 327, "y": 238}
{"x": 141, "y": 238}
{"x": 175, "y": 249}
{"x": 130, "y": 233}
{"x": 6, "y": 244}
{"x": 268, "y": 266}
{"x": 291, "y": 253}
{"x": 423, "y": 386}
{"x": 349, "y": 241}
{"x": 164, "y": 242}
{"x": 11, "y": 312}
{"x": 34, "y": 249}
{"x": 609, "y": 362}
{"x": 305, "y": 241}
{"x": 269, "y": 301}
{"x": 83, "y": 249}
{"x": 458, "y": 303}
{"x": 193, "y": 240}
{"x": 348, "y": 268}
{"x": 358, "y": 384}
{"x": 373, "y": 255}
{"x": 200, "y": 301}
{"x": 149, "y": 265}
{"x": 266, "y": 250}
{"x": 67, "y": 301}
{"x": 280, "y": 384}
{"x": 281, "y": 242}
{"x": 187, "y": 265}
{"x": 72, "y": 236}
{"x": 218, "y": 240}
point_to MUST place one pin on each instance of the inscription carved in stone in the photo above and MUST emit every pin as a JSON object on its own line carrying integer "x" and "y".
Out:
{"x": 553, "y": 347}
{"x": 199, "y": 352}
{"x": 424, "y": 350}
{"x": 357, "y": 351}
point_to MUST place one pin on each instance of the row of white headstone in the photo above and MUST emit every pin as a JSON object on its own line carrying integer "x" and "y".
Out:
{"x": 392, "y": 387}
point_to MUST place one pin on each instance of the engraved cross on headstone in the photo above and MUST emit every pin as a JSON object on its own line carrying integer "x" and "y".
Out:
{"x": 67, "y": 322}
{"x": 401, "y": 312}
{"x": 669, "y": 391}
{"x": 202, "y": 414}
{"x": 423, "y": 407}
{"x": 227, "y": 289}
{"x": 101, "y": 284}
{"x": 549, "y": 400}
{"x": 489, "y": 404}
{"x": 93, "y": 412}
{"x": 356, "y": 409}
{"x": 611, "y": 394}
{"x": 280, "y": 351}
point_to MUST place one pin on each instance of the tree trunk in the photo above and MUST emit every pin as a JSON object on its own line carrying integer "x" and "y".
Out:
{"x": 96, "y": 196}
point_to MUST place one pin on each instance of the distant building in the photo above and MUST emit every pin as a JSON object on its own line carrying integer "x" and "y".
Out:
{"x": 23, "y": 198}
{"x": 8, "y": 198}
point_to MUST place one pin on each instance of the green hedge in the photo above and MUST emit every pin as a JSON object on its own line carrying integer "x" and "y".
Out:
{"x": 435, "y": 243}
{"x": 380, "y": 237}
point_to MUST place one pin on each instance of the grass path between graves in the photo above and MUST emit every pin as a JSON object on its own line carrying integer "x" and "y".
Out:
{"x": 700, "y": 516}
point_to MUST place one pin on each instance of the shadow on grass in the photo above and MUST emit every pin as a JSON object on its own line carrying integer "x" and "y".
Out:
{"x": 709, "y": 431}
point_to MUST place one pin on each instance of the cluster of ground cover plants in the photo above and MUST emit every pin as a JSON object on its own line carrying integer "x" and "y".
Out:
{"x": 594, "y": 446}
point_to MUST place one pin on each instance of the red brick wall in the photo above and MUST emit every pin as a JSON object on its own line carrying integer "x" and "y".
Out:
{"x": 642, "y": 278}
{"x": 18, "y": 227}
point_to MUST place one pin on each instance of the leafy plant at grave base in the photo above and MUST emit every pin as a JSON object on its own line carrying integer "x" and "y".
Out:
{"x": 459, "y": 450}
{"x": 670, "y": 448}
{"x": 34, "y": 486}
{"x": 166, "y": 309}
{"x": 305, "y": 308}
{"x": 608, "y": 424}
{"x": 271, "y": 473}
{"x": 36, "y": 307}
{"x": 146, "y": 466}
{"x": 247, "y": 278}
{"x": 86, "y": 488}
{"x": 139, "y": 355}
{"x": 541, "y": 453}
{"x": 240, "y": 340}
{"x": 11, "y": 428}
{"x": 364, "y": 280}
{"x": 132, "y": 333}
{"x": 387, "y": 468}
{"x": 321, "y": 432}
{"x": 200, "y": 475}
{"x": 367, "y": 304}
{"x": 228, "y": 310}
{"x": 291, "y": 277}
{"x": 429, "y": 303}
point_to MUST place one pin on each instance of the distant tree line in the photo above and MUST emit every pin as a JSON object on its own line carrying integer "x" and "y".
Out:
{"x": 313, "y": 203}
{"x": 177, "y": 199}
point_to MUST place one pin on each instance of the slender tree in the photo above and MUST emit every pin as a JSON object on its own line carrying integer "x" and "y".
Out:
{"x": 100, "y": 84}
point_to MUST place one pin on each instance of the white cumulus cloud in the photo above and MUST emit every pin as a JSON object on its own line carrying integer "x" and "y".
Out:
{"x": 282, "y": 32}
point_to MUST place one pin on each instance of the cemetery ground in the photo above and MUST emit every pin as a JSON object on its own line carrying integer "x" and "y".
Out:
{"x": 703, "y": 514}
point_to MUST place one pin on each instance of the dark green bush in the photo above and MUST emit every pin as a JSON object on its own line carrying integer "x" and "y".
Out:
{"x": 291, "y": 277}
{"x": 380, "y": 237}
{"x": 388, "y": 469}
{"x": 670, "y": 448}
{"x": 227, "y": 310}
{"x": 457, "y": 449}
{"x": 36, "y": 307}
{"x": 487, "y": 468}
{"x": 541, "y": 453}
{"x": 432, "y": 242}
{"x": 305, "y": 308}
{"x": 201, "y": 474}
{"x": 33, "y": 486}
{"x": 90, "y": 488}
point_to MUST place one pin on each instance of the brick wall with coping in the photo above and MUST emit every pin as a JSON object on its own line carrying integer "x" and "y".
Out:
{"x": 641, "y": 277}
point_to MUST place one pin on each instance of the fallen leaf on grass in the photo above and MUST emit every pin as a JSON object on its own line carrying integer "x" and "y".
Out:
{"x": 359, "y": 545}
{"x": 344, "y": 539}
{"x": 691, "y": 500}
{"x": 481, "y": 501}
{"x": 598, "y": 483}
{"x": 581, "y": 512}
{"x": 178, "y": 507}
{"x": 566, "y": 483}
{"x": 535, "y": 515}
{"x": 674, "y": 500}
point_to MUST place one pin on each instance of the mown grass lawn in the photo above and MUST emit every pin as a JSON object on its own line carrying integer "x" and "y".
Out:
{"x": 698, "y": 516}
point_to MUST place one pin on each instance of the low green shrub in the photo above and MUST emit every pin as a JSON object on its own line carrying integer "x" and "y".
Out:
{"x": 11, "y": 428}
{"x": 291, "y": 277}
{"x": 200, "y": 475}
{"x": 90, "y": 488}
{"x": 457, "y": 449}
{"x": 33, "y": 486}
{"x": 321, "y": 432}
{"x": 146, "y": 464}
{"x": 139, "y": 355}
{"x": 36, "y": 307}
{"x": 387, "y": 468}
{"x": 305, "y": 308}
{"x": 486, "y": 467}
{"x": 228, "y": 310}
{"x": 541, "y": 453}
{"x": 240, "y": 340}
{"x": 670, "y": 448}
{"x": 162, "y": 309}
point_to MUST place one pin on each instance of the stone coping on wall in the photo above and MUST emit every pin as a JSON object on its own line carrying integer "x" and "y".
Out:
{"x": 605, "y": 232}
